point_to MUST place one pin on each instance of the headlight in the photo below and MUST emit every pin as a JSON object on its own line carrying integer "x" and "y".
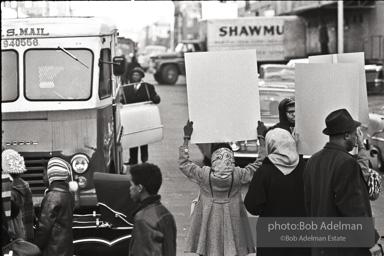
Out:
{"x": 235, "y": 146}
{"x": 80, "y": 163}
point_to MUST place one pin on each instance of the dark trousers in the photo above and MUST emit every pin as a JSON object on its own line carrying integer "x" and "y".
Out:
{"x": 133, "y": 154}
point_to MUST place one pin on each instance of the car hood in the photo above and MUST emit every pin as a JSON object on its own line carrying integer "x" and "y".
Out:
{"x": 167, "y": 55}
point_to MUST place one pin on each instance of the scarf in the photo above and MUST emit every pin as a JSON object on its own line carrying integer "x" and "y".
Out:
{"x": 282, "y": 150}
{"x": 223, "y": 162}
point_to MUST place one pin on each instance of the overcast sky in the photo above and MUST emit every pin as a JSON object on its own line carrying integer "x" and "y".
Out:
{"x": 129, "y": 15}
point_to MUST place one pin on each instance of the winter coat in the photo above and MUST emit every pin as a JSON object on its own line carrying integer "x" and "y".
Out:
{"x": 219, "y": 215}
{"x": 273, "y": 194}
{"x": 23, "y": 198}
{"x": 334, "y": 187}
{"x": 6, "y": 194}
{"x": 54, "y": 231}
{"x": 141, "y": 95}
{"x": 16, "y": 227}
{"x": 154, "y": 231}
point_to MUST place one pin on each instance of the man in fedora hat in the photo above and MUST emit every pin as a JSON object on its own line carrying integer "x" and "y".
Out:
{"x": 139, "y": 91}
{"x": 334, "y": 184}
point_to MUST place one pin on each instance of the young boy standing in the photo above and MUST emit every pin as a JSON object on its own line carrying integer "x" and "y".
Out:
{"x": 54, "y": 231}
{"x": 154, "y": 231}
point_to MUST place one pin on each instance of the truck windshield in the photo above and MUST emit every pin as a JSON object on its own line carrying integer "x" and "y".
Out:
{"x": 181, "y": 48}
{"x": 9, "y": 75}
{"x": 51, "y": 74}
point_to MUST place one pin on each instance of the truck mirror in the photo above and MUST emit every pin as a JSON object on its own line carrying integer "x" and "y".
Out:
{"x": 119, "y": 65}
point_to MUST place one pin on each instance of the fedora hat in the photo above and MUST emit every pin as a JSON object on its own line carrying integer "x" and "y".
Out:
{"x": 340, "y": 121}
{"x": 138, "y": 70}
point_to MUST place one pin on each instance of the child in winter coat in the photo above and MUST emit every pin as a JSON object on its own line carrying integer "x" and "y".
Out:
{"x": 54, "y": 231}
{"x": 21, "y": 194}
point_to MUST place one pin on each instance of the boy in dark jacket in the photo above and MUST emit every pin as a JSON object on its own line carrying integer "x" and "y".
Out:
{"x": 286, "y": 115}
{"x": 54, "y": 231}
{"x": 154, "y": 231}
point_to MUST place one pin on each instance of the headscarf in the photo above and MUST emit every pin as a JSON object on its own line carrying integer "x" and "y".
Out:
{"x": 223, "y": 162}
{"x": 282, "y": 150}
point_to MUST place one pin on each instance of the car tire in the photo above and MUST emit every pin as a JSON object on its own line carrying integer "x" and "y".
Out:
{"x": 169, "y": 74}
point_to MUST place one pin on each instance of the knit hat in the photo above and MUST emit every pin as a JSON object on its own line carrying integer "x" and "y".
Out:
{"x": 58, "y": 169}
{"x": 12, "y": 162}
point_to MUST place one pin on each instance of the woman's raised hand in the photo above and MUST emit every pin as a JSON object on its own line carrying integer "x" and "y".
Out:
{"x": 188, "y": 129}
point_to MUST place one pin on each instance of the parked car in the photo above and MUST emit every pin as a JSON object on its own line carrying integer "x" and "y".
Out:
{"x": 277, "y": 75}
{"x": 375, "y": 141}
{"x": 144, "y": 57}
{"x": 168, "y": 66}
{"x": 270, "y": 98}
{"x": 375, "y": 80}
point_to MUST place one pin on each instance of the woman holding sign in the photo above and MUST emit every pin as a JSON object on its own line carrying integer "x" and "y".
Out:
{"x": 220, "y": 224}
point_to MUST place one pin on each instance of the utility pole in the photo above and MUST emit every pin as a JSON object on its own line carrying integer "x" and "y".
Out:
{"x": 340, "y": 27}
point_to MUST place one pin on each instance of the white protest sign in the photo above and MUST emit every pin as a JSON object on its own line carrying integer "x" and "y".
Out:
{"x": 321, "y": 89}
{"x": 223, "y": 95}
{"x": 357, "y": 58}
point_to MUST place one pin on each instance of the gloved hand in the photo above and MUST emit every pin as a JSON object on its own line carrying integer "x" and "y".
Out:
{"x": 261, "y": 129}
{"x": 156, "y": 99}
{"x": 188, "y": 129}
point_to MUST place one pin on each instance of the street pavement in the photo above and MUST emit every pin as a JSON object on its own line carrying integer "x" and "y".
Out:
{"x": 177, "y": 191}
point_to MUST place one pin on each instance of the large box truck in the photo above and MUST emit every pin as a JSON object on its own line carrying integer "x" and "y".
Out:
{"x": 275, "y": 39}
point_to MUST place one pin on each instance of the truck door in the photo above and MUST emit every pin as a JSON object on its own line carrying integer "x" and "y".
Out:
{"x": 141, "y": 125}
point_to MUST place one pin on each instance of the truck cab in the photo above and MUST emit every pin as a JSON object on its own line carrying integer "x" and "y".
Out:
{"x": 168, "y": 66}
{"x": 61, "y": 89}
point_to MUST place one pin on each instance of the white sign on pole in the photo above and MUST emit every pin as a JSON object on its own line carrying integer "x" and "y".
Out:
{"x": 320, "y": 90}
{"x": 223, "y": 95}
{"x": 357, "y": 58}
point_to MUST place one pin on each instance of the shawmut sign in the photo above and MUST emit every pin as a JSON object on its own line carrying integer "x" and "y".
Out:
{"x": 232, "y": 31}
{"x": 269, "y": 36}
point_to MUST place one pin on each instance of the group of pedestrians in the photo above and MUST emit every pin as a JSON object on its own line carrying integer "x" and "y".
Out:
{"x": 51, "y": 231}
{"x": 332, "y": 183}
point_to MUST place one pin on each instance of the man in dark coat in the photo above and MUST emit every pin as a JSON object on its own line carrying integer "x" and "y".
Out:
{"x": 333, "y": 181}
{"x": 154, "y": 231}
{"x": 139, "y": 91}
{"x": 286, "y": 115}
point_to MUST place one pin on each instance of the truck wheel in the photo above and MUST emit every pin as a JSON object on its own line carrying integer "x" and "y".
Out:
{"x": 169, "y": 74}
{"x": 158, "y": 79}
